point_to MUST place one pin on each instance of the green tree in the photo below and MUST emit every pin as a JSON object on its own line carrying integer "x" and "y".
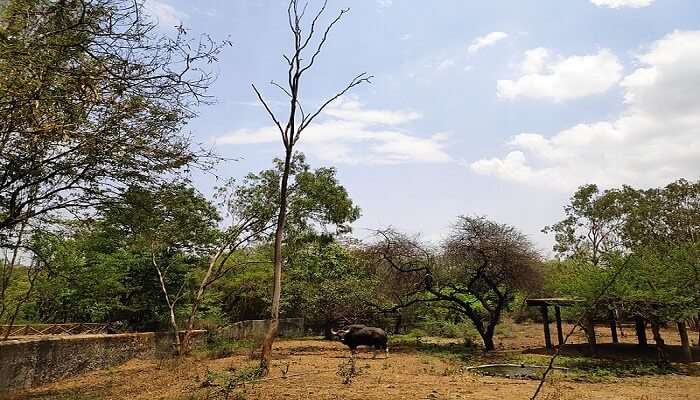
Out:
{"x": 592, "y": 225}
{"x": 476, "y": 274}
{"x": 325, "y": 284}
{"x": 655, "y": 257}
{"x": 319, "y": 210}
{"x": 175, "y": 226}
{"x": 92, "y": 101}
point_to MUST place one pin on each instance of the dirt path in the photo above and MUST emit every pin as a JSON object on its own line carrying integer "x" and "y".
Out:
{"x": 405, "y": 375}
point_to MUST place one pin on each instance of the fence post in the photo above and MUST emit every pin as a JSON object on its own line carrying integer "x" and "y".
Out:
{"x": 685, "y": 342}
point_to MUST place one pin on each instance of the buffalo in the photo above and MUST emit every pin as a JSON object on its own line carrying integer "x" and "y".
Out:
{"x": 361, "y": 335}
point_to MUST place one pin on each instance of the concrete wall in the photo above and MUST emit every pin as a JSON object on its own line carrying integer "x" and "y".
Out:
{"x": 32, "y": 362}
{"x": 256, "y": 329}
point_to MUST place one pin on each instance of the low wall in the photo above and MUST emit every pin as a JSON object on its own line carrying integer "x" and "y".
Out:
{"x": 255, "y": 329}
{"x": 32, "y": 362}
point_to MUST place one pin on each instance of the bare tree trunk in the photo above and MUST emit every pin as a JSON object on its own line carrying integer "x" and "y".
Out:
{"x": 397, "y": 324}
{"x": 171, "y": 304}
{"x": 266, "y": 356}
{"x": 185, "y": 344}
{"x": 297, "y": 122}
{"x": 490, "y": 331}
{"x": 660, "y": 344}
{"x": 8, "y": 269}
{"x": 32, "y": 275}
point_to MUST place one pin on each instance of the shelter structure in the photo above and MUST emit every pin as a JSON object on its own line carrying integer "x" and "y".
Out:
{"x": 544, "y": 305}
{"x": 606, "y": 306}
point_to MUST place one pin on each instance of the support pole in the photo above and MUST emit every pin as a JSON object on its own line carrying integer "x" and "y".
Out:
{"x": 590, "y": 333}
{"x": 613, "y": 326}
{"x": 545, "y": 323}
{"x": 640, "y": 327}
{"x": 560, "y": 333}
{"x": 685, "y": 342}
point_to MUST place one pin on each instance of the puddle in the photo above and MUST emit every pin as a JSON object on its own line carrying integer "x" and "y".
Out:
{"x": 515, "y": 371}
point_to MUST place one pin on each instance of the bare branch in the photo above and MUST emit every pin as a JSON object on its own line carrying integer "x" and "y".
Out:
{"x": 313, "y": 25}
{"x": 323, "y": 39}
{"x": 272, "y": 115}
{"x": 358, "y": 80}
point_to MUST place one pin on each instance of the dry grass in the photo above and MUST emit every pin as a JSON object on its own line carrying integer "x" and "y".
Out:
{"x": 312, "y": 370}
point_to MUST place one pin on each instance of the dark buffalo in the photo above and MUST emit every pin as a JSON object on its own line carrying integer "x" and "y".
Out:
{"x": 357, "y": 335}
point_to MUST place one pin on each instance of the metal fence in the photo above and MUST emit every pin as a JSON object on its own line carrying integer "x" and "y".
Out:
{"x": 56, "y": 329}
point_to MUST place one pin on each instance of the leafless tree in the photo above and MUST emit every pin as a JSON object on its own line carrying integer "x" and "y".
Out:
{"x": 307, "y": 47}
{"x": 170, "y": 299}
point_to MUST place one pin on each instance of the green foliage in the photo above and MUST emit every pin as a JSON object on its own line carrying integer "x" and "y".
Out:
{"x": 104, "y": 271}
{"x": 245, "y": 294}
{"x": 649, "y": 238}
{"x": 319, "y": 210}
{"x": 317, "y": 201}
{"x": 324, "y": 284}
{"x": 91, "y": 106}
{"x": 596, "y": 370}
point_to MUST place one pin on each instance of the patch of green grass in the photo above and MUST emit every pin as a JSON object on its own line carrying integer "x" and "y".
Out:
{"x": 594, "y": 369}
{"x": 222, "y": 348}
{"x": 452, "y": 351}
{"x": 581, "y": 368}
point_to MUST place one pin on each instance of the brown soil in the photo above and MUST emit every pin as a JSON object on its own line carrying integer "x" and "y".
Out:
{"x": 312, "y": 374}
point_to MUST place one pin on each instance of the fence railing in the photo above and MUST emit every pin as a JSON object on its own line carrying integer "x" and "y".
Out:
{"x": 55, "y": 329}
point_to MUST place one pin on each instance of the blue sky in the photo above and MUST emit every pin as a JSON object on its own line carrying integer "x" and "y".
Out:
{"x": 497, "y": 108}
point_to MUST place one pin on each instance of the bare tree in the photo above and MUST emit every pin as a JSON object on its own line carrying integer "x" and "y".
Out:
{"x": 291, "y": 127}
{"x": 170, "y": 300}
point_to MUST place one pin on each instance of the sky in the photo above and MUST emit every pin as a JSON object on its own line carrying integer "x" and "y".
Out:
{"x": 499, "y": 108}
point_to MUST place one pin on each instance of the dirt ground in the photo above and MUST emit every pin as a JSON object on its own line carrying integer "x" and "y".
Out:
{"x": 312, "y": 368}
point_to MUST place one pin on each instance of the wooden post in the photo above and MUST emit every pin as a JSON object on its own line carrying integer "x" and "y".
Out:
{"x": 640, "y": 326}
{"x": 685, "y": 342}
{"x": 560, "y": 334}
{"x": 545, "y": 323}
{"x": 613, "y": 326}
{"x": 590, "y": 333}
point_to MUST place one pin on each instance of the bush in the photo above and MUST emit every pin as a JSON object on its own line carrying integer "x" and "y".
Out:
{"x": 448, "y": 329}
{"x": 218, "y": 347}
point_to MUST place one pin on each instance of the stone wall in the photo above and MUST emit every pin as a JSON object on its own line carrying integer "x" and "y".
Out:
{"x": 36, "y": 361}
{"x": 256, "y": 329}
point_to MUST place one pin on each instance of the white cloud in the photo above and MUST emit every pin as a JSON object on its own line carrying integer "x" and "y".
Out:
{"x": 485, "y": 41}
{"x": 405, "y": 36}
{"x": 385, "y": 3}
{"x": 654, "y": 141}
{"x": 534, "y": 61}
{"x": 351, "y": 109}
{"x": 563, "y": 78}
{"x": 446, "y": 64}
{"x": 622, "y": 3}
{"x": 354, "y": 134}
{"x": 165, "y": 14}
